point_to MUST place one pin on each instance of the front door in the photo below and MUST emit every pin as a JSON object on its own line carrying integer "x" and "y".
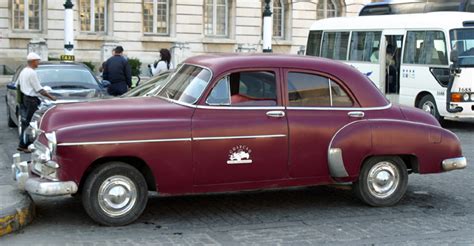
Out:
{"x": 318, "y": 106}
{"x": 240, "y": 132}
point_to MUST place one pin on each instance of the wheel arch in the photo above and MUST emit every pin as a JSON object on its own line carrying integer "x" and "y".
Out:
{"x": 136, "y": 162}
{"x": 420, "y": 96}
{"x": 359, "y": 141}
{"x": 410, "y": 160}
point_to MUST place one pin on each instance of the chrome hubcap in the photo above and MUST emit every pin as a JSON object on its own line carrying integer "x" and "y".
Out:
{"x": 117, "y": 195}
{"x": 429, "y": 107}
{"x": 383, "y": 179}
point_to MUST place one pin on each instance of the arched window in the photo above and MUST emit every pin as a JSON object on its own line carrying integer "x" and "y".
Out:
{"x": 278, "y": 19}
{"x": 27, "y": 15}
{"x": 216, "y": 17}
{"x": 329, "y": 9}
{"x": 93, "y": 15}
{"x": 156, "y": 15}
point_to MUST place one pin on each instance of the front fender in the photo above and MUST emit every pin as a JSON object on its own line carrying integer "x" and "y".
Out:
{"x": 361, "y": 139}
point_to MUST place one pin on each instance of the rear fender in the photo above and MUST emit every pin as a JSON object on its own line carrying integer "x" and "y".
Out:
{"x": 356, "y": 141}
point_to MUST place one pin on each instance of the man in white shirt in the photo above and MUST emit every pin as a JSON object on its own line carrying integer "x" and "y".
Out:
{"x": 30, "y": 88}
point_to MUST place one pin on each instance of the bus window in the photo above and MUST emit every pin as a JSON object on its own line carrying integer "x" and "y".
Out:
{"x": 314, "y": 43}
{"x": 335, "y": 45}
{"x": 425, "y": 47}
{"x": 365, "y": 46}
{"x": 462, "y": 40}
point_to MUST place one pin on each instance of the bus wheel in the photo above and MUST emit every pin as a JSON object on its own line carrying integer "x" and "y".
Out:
{"x": 428, "y": 104}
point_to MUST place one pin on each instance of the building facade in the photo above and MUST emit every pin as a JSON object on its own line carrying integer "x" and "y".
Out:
{"x": 142, "y": 27}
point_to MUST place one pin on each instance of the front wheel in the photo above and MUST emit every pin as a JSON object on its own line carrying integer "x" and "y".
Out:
{"x": 115, "y": 194}
{"x": 11, "y": 123}
{"x": 428, "y": 104}
{"x": 382, "y": 181}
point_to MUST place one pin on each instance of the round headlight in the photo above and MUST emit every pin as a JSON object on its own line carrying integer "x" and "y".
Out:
{"x": 465, "y": 97}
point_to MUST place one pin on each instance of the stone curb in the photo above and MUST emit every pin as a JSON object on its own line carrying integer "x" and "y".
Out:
{"x": 16, "y": 209}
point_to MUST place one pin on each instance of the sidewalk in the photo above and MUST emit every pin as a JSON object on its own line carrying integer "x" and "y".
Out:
{"x": 16, "y": 207}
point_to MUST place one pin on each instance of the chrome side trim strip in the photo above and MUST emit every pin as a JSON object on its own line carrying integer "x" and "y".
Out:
{"x": 336, "y": 163}
{"x": 172, "y": 140}
{"x": 239, "y": 137}
{"x": 241, "y": 108}
{"x": 127, "y": 142}
{"x": 341, "y": 109}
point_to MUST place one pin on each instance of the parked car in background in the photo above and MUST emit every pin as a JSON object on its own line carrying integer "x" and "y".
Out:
{"x": 143, "y": 89}
{"x": 236, "y": 122}
{"x": 68, "y": 82}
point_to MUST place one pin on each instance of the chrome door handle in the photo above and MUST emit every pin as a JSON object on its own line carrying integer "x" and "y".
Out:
{"x": 276, "y": 114}
{"x": 356, "y": 114}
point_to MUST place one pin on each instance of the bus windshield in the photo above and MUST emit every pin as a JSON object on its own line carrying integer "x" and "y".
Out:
{"x": 462, "y": 40}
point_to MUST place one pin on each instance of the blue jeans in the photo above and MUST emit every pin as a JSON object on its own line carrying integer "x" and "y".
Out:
{"x": 27, "y": 110}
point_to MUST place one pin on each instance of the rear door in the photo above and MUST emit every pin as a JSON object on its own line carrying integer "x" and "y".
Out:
{"x": 240, "y": 133}
{"x": 318, "y": 106}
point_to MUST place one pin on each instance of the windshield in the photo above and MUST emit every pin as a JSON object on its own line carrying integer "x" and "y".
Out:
{"x": 187, "y": 84}
{"x": 148, "y": 86}
{"x": 65, "y": 75}
{"x": 462, "y": 40}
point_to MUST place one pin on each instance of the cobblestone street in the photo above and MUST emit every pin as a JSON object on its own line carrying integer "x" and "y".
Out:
{"x": 436, "y": 210}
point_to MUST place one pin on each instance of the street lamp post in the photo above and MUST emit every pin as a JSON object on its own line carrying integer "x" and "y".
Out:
{"x": 68, "y": 30}
{"x": 267, "y": 28}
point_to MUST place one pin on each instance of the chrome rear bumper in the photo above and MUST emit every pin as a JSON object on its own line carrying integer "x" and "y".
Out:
{"x": 37, "y": 185}
{"x": 454, "y": 163}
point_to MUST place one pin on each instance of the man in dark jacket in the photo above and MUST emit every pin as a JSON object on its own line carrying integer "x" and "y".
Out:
{"x": 118, "y": 72}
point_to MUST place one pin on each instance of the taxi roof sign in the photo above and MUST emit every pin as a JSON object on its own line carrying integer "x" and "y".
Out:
{"x": 69, "y": 58}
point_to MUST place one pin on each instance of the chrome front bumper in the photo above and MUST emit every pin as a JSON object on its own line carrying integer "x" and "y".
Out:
{"x": 454, "y": 163}
{"x": 37, "y": 185}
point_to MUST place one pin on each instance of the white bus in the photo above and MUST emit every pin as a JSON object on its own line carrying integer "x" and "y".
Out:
{"x": 422, "y": 60}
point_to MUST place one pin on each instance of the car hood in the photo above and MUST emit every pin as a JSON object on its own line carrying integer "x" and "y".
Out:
{"x": 116, "y": 119}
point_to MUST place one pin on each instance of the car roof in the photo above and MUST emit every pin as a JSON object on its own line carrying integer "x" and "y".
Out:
{"x": 360, "y": 85}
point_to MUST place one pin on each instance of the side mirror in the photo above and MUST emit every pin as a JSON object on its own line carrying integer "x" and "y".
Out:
{"x": 454, "y": 56}
{"x": 11, "y": 86}
{"x": 105, "y": 83}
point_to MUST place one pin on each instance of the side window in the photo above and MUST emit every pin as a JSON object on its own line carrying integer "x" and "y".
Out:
{"x": 245, "y": 89}
{"x": 220, "y": 95}
{"x": 339, "y": 97}
{"x": 425, "y": 47}
{"x": 335, "y": 45}
{"x": 310, "y": 90}
{"x": 365, "y": 46}
{"x": 314, "y": 43}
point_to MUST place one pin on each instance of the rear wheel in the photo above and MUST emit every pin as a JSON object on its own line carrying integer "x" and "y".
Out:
{"x": 382, "y": 181}
{"x": 115, "y": 194}
{"x": 11, "y": 123}
{"x": 428, "y": 104}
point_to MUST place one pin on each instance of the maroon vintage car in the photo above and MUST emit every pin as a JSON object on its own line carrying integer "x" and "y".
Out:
{"x": 236, "y": 122}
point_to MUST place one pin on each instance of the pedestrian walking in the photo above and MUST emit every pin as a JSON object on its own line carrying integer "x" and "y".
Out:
{"x": 163, "y": 64}
{"x": 118, "y": 72}
{"x": 29, "y": 88}
{"x": 101, "y": 68}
